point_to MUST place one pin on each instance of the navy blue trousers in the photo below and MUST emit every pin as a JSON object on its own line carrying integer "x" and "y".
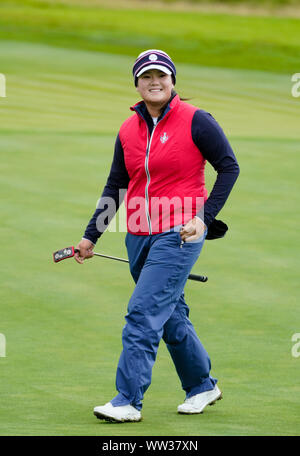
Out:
{"x": 160, "y": 266}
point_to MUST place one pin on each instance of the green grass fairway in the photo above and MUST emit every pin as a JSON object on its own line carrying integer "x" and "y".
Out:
{"x": 63, "y": 322}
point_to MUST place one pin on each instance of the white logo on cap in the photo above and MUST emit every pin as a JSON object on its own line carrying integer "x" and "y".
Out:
{"x": 152, "y": 57}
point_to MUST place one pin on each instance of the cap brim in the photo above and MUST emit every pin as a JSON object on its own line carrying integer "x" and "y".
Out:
{"x": 154, "y": 67}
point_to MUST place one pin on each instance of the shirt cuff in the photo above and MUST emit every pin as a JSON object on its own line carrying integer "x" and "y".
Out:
{"x": 86, "y": 239}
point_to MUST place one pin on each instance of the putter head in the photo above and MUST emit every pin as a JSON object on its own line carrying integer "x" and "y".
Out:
{"x": 62, "y": 254}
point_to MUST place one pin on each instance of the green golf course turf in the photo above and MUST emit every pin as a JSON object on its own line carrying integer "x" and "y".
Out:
{"x": 63, "y": 322}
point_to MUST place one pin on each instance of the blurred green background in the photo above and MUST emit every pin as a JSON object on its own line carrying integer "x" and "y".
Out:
{"x": 68, "y": 89}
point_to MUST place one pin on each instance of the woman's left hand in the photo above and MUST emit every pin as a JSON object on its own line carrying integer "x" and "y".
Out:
{"x": 192, "y": 230}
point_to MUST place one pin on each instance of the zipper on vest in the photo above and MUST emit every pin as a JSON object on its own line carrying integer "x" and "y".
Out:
{"x": 149, "y": 140}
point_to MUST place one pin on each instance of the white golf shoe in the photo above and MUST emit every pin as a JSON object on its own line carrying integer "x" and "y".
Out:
{"x": 120, "y": 414}
{"x": 197, "y": 403}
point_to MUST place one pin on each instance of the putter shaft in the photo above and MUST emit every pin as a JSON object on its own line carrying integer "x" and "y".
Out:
{"x": 111, "y": 258}
{"x": 196, "y": 277}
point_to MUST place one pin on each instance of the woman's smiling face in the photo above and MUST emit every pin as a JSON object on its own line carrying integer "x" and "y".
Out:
{"x": 155, "y": 86}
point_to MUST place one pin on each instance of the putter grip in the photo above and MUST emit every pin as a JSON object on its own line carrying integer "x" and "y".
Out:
{"x": 198, "y": 278}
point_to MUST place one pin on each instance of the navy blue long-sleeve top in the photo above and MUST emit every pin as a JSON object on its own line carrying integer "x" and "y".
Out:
{"x": 209, "y": 137}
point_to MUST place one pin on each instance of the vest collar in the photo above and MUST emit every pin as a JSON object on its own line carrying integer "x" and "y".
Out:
{"x": 141, "y": 109}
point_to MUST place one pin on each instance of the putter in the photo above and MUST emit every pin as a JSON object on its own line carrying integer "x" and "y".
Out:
{"x": 69, "y": 252}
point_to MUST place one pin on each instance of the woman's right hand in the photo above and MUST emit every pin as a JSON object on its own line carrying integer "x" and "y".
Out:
{"x": 85, "y": 248}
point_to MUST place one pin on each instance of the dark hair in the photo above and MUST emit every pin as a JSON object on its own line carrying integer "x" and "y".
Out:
{"x": 173, "y": 93}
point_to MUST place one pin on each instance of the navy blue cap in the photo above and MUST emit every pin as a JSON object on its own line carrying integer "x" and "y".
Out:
{"x": 153, "y": 59}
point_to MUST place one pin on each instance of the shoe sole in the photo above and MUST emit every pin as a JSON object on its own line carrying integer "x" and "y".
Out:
{"x": 210, "y": 403}
{"x": 110, "y": 419}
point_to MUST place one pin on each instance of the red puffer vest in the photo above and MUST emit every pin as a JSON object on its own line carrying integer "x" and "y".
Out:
{"x": 166, "y": 170}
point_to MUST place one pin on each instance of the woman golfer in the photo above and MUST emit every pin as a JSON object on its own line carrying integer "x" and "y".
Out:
{"x": 159, "y": 159}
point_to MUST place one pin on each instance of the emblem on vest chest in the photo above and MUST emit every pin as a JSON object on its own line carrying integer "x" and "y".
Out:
{"x": 164, "y": 138}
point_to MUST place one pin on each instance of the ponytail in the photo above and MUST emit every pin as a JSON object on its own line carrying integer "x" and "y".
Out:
{"x": 173, "y": 93}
